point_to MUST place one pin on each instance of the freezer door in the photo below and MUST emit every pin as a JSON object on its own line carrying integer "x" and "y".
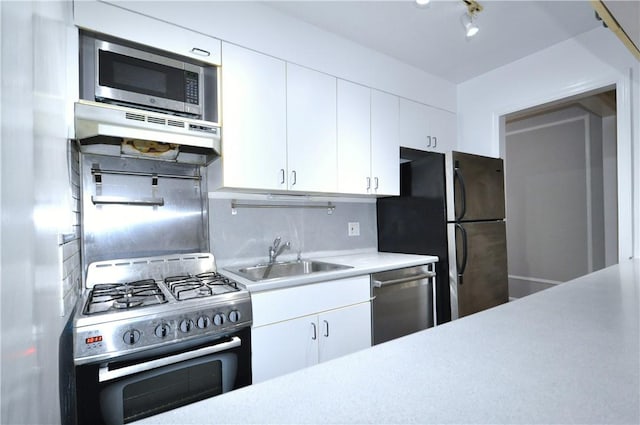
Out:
{"x": 478, "y": 258}
{"x": 478, "y": 187}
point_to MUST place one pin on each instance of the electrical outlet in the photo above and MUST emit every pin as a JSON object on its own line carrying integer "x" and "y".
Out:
{"x": 354, "y": 229}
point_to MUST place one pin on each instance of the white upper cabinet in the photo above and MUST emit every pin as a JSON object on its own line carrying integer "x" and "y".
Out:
{"x": 117, "y": 22}
{"x": 385, "y": 144}
{"x": 368, "y": 141}
{"x": 311, "y": 130}
{"x": 254, "y": 138}
{"x": 414, "y": 125}
{"x": 443, "y": 130}
{"x": 354, "y": 138}
{"x": 426, "y": 128}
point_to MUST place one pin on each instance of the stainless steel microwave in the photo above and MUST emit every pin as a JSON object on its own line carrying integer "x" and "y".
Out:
{"x": 114, "y": 71}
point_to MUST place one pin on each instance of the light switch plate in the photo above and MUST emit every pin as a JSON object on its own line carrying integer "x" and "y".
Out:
{"x": 354, "y": 229}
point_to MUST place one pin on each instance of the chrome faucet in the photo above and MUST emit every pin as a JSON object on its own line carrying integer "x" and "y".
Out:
{"x": 276, "y": 249}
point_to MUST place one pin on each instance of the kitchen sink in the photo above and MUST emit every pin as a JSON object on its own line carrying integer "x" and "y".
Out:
{"x": 261, "y": 272}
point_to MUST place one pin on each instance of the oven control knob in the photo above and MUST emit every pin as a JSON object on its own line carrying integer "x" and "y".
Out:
{"x": 203, "y": 322}
{"x": 131, "y": 336}
{"x": 186, "y": 325}
{"x": 162, "y": 330}
{"x": 234, "y": 316}
{"x": 219, "y": 319}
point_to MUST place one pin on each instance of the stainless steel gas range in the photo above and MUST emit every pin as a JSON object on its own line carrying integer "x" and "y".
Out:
{"x": 156, "y": 333}
{"x": 156, "y": 326}
{"x": 133, "y": 305}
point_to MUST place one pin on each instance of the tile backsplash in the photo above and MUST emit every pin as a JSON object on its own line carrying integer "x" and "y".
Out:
{"x": 247, "y": 233}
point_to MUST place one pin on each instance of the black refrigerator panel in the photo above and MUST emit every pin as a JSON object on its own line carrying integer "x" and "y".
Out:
{"x": 478, "y": 187}
{"x": 480, "y": 264}
{"x": 417, "y": 226}
{"x": 423, "y": 176}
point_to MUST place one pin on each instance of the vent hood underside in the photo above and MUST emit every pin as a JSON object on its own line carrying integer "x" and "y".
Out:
{"x": 107, "y": 124}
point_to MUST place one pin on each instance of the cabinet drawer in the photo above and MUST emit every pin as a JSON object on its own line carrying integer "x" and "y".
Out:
{"x": 284, "y": 304}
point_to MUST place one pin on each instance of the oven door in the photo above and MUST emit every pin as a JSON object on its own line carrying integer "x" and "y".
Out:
{"x": 126, "y": 390}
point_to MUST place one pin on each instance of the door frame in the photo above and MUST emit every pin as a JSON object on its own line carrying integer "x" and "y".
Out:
{"x": 624, "y": 145}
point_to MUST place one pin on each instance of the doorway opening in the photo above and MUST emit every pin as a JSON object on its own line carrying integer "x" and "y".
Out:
{"x": 561, "y": 190}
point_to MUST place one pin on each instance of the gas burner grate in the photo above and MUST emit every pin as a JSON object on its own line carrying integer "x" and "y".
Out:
{"x": 123, "y": 296}
{"x": 199, "y": 286}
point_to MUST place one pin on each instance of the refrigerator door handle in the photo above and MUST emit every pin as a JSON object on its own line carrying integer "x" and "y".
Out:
{"x": 463, "y": 264}
{"x": 457, "y": 174}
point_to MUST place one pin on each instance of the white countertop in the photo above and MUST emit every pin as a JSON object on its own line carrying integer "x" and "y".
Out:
{"x": 570, "y": 354}
{"x": 361, "y": 263}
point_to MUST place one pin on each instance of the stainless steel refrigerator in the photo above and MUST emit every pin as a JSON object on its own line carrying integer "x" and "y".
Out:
{"x": 451, "y": 206}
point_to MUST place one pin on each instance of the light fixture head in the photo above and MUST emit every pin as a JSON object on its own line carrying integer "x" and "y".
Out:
{"x": 423, "y": 3}
{"x": 473, "y": 8}
{"x": 470, "y": 27}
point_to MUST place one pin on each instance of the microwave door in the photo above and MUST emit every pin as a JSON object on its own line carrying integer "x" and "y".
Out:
{"x": 129, "y": 76}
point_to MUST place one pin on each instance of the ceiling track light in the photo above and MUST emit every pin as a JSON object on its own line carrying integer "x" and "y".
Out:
{"x": 473, "y": 8}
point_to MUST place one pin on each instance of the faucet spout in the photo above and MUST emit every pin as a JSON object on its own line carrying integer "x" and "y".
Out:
{"x": 275, "y": 250}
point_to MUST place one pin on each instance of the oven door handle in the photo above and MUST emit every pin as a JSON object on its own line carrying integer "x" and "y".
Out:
{"x": 104, "y": 374}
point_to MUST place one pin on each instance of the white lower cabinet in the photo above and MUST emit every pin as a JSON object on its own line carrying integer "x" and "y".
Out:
{"x": 298, "y": 343}
{"x": 283, "y": 347}
{"x": 344, "y": 331}
{"x": 285, "y": 339}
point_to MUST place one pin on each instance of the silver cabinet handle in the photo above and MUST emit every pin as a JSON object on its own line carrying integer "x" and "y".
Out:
{"x": 200, "y": 52}
{"x": 282, "y": 176}
{"x": 368, "y": 183}
{"x": 375, "y": 179}
{"x": 326, "y": 327}
{"x": 435, "y": 141}
{"x": 429, "y": 141}
{"x": 293, "y": 178}
{"x": 383, "y": 283}
{"x": 104, "y": 374}
{"x": 315, "y": 334}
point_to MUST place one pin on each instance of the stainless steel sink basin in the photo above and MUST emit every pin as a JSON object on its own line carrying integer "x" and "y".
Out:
{"x": 262, "y": 272}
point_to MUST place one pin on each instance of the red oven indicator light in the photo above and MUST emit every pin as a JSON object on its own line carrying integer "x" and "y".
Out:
{"x": 93, "y": 339}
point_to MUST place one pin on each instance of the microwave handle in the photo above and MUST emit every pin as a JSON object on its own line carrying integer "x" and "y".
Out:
{"x": 104, "y": 374}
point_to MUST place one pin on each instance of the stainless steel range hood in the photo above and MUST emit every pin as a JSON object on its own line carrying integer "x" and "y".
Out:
{"x": 99, "y": 125}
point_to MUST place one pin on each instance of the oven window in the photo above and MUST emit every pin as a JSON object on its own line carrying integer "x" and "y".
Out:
{"x": 139, "y": 76}
{"x": 172, "y": 389}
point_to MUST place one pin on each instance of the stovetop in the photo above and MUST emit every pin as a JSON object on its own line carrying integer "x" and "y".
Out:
{"x": 113, "y": 297}
{"x": 178, "y": 298}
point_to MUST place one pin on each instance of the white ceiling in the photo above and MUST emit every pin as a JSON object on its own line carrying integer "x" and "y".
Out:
{"x": 433, "y": 39}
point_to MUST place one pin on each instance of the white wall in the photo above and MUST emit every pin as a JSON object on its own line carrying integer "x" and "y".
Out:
{"x": 35, "y": 206}
{"x": 610, "y": 182}
{"x": 591, "y": 60}
{"x": 267, "y": 30}
{"x": 554, "y": 198}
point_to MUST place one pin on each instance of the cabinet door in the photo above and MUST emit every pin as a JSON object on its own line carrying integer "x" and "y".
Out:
{"x": 414, "y": 125}
{"x": 254, "y": 142}
{"x": 284, "y": 347}
{"x": 118, "y": 22}
{"x": 443, "y": 130}
{"x": 385, "y": 143}
{"x": 344, "y": 331}
{"x": 354, "y": 138}
{"x": 311, "y": 130}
